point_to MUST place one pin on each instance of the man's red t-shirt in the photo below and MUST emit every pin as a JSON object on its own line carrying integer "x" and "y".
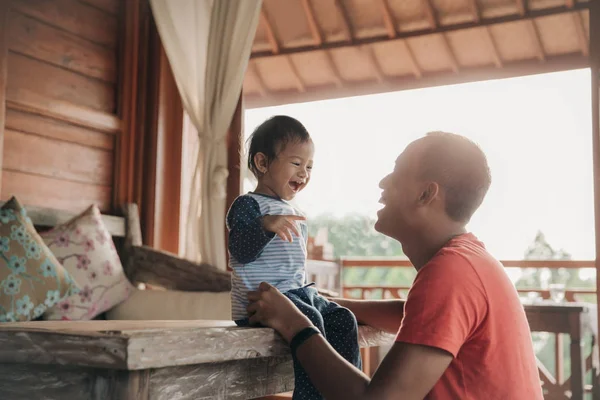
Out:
{"x": 463, "y": 302}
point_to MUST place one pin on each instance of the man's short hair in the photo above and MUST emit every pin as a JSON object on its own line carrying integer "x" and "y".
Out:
{"x": 460, "y": 167}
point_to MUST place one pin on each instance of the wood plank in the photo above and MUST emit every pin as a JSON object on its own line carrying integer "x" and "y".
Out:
{"x": 55, "y": 193}
{"x": 32, "y": 102}
{"x": 74, "y": 17}
{"x": 25, "y": 73}
{"x": 37, "y": 382}
{"x": 42, "y": 156}
{"x": 244, "y": 379}
{"x": 47, "y": 217}
{"x": 43, "y": 42}
{"x": 53, "y": 129}
{"x": 4, "y": 11}
{"x": 109, "y": 6}
{"x": 153, "y": 344}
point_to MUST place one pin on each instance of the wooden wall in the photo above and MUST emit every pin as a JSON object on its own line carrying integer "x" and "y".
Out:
{"x": 61, "y": 125}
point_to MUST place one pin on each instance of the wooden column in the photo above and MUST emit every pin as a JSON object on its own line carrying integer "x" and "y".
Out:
{"x": 127, "y": 103}
{"x": 234, "y": 149}
{"x": 595, "y": 72}
{"x": 4, "y": 9}
{"x": 168, "y": 160}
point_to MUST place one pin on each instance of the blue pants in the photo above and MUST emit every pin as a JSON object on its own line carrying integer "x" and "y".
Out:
{"x": 337, "y": 324}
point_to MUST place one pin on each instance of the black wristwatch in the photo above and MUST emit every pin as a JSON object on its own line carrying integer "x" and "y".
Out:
{"x": 301, "y": 337}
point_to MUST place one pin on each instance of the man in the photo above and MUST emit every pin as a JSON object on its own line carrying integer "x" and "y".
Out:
{"x": 462, "y": 332}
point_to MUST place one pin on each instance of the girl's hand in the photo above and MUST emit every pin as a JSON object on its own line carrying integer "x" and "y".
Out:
{"x": 283, "y": 226}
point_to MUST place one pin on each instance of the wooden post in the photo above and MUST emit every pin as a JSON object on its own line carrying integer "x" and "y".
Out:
{"x": 595, "y": 71}
{"x": 234, "y": 147}
{"x": 4, "y": 10}
{"x": 123, "y": 189}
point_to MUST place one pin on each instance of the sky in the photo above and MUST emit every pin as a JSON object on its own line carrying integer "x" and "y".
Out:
{"x": 536, "y": 132}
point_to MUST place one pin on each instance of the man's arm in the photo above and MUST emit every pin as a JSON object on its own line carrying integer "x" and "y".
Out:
{"x": 385, "y": 315}
{"x": 408, "y": 372}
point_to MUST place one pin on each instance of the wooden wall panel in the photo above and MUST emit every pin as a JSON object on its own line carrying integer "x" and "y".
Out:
{"x": 62, "y": 122}
{"x": 56, "y": 159}
{"x": 62, "y": 49}
{"x": 74, "y": 17}
{"x": 108, "y": 6}
{"x": 54, "y": 129}
{"x": 55, "y": 193}
{"x": 57, "y": 83}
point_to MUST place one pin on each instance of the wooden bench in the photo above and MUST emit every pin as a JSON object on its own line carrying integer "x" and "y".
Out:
{"x": 104, "y": 359}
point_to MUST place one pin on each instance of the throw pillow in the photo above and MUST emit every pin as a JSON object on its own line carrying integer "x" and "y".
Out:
{"x": 31, "y": 278}
{"x": 85, "y": 248}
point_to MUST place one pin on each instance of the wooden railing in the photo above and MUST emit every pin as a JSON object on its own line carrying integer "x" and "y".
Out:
{"x": 383, "y": 291}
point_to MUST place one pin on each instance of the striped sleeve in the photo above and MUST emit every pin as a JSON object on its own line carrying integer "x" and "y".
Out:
{"x": 247, "y": 238}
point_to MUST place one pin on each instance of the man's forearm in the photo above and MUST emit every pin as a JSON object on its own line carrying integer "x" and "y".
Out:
{"x": 333, "y": 376}
{"x": 381, "y": 314}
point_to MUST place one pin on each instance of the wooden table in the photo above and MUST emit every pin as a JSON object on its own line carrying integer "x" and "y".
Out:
{"x": 574, "y": 319}
{"x": 158, "y": 360}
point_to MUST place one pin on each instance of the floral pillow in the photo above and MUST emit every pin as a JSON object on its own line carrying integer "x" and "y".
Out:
{"x": 31, "y": 278}
{"x": 85, "y": 248}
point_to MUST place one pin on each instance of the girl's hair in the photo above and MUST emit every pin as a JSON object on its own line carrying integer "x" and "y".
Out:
{"x": 272, "y": 136}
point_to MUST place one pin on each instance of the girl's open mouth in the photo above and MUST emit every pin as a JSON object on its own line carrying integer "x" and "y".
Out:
{"x": 296, "y": 185}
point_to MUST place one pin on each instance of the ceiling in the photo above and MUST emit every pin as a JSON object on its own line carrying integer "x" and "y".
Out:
{"x": 306, "y": 50}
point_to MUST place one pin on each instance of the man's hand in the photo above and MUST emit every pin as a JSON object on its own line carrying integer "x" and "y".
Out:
{"x": 283, "y": 226}
{"x": 271, "y": 308}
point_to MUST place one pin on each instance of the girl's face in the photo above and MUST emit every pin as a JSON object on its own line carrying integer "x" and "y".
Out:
{"x": 288, "y": 173}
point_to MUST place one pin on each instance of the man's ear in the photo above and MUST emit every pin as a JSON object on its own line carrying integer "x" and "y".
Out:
{"x": 261, "y": 162}
{"x": 430, "y": 192}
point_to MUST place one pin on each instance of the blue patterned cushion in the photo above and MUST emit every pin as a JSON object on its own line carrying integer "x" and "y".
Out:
{"x": 31, "y": 279}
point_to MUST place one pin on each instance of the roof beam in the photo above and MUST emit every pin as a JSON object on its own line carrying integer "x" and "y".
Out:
{"x": 379, "y": 75}
{"x": 318, "y": 38}
{"x": 528, "y": 15}
{"x": 521, "y": 9}
{"x": 271, "y": 37}
{"x": 390, "y": 25}
{"x": 259, "y": 80}
{"x": 570, "y": 3}
{"x": 345, "y": 20}
{"x": 493, "y": 48}
{"x": 388, "y": 19}
{"x": 413, "y": 60}
{"x": 431, "y": 16}
{"x": 537, "y": 40}
{"x": 299, "y": 84}
{"x": 488, "y": 34}
{"x": 468, "y": 74}
{"x": 581, "y": 34}
{"x": 312, "y": 22}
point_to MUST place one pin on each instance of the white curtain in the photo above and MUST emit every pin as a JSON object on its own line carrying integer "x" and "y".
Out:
{"x": 208, "y": 44}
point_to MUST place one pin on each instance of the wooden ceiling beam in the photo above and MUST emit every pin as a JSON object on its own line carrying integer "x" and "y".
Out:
{"x": 521, "y": 9}
{"x": 412, "y": 60}
{"x": 318, "y": 39}
{"x": 488, "y": 34}
{"x": 346, "y": 25}
{"x": 475, "y": 10}
{"x": 431, "y": 15}
{"x": 339, "y": 82}
{"x": 375, "y": 67}
{"x": 493, "y": 47}
{"x": 468, "y": 74}
{"x": 271, "y": 37}
{"x": 388, "y": 19}
{"x": 526, "y": 16}
{"x": 570, "y": 3}
{"x": 537, "y": 40}
{"x": 299, "y": 83}
{"x": 581, "y": 33}
{"x": 312, "y": 22}
{"x": 262, "y": 89}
